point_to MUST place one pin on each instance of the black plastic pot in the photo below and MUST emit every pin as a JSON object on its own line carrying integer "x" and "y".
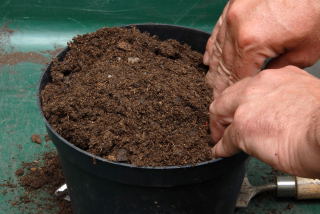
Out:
{"x": 98, "y": 186}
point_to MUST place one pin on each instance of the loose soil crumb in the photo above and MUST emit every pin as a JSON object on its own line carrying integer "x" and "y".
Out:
{"x": 45, "y": 175}
{"x": 127, "y": 96}
{"x": 19, "y": 172}
{"x": 36, "y": 138}
{"x": 39, "y": 174}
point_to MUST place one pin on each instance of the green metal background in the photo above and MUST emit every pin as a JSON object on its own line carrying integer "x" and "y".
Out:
{"x": 41, "y": 25}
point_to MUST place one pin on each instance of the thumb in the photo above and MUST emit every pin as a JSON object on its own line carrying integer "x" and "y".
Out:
{"x": 301, "y": 60}
{"x": 227, "y": 146}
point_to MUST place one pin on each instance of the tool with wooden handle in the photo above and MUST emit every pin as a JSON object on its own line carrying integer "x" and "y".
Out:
{"x": 285, "y": 186}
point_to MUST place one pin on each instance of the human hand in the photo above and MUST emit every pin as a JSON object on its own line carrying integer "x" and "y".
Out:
{"x": 251, "y": 31}
{"x": 273, "y": 116}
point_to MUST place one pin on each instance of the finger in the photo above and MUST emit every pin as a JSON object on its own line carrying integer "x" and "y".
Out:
{"x": 301, "y": 60}
{"x": 224, "y": 75}
{"x": 224, "y": 106}
{"x": 216, "y": 79}
{"x": 211, "y": 41}
{"x": 216, "y": 128}
{"x": 222, "y": 29}
{"x": 248, "y": 64}
{"x": 238, "y": 136}
{"x": 222, "y": 109}
{"x": 249, "y": 55}
{"x": 218, "y": 43}
{"x": 234, "y": 141}
{"x": 227, "y": 146}
{"x": 212, "y": 76}
{"x": 213, "y": 37}
{"x": 220, "y": 38}
{"x": 228, "y": 57}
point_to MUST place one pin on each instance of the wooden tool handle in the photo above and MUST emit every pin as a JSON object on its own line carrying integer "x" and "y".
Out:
{"x": 308, "y": 188}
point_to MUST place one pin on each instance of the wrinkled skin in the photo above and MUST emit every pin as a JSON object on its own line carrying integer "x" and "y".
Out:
{"x": 273, "y": 115}
{"x": 251, "y": 31}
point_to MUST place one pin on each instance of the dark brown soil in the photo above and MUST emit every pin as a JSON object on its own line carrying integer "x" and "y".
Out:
{"x": 40, "y": 174}
{"x": 46, "y": 175}
{"x": 126, "y": 96}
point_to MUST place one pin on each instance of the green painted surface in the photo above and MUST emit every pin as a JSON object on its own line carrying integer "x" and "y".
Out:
{"x": 45, "y": 24}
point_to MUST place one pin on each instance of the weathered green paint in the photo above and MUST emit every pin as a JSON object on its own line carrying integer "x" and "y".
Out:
{"x": 45, "y": 24}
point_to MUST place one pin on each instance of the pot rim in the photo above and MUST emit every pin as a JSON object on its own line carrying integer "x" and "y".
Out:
{"x": 39, "y": 89}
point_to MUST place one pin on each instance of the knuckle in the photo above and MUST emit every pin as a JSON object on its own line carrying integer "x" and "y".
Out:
{"x": 292, "y": 68}
{"x": 232, "y": 15}
{"x": 248, "y": 37}
{"x": 266, "y": 73}
{"x": 277, "y": 75}
{"x": 269, "y": 75}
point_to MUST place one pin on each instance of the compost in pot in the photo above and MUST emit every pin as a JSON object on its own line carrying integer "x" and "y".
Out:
{"x": 128, "y": 97}
{"x": 131, "y": 98}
